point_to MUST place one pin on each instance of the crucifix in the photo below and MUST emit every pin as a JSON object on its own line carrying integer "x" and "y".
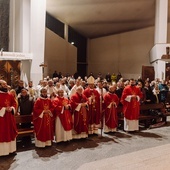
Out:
{"x": 43, "y": 66}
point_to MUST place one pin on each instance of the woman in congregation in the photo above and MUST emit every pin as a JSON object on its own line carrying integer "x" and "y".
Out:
{"x": 13, "y": 93}
{"x": 63, "y": 120}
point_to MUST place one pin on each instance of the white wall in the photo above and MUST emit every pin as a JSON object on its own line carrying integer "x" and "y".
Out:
{"x": 19, "y": 26}
{"x": 59, "y": 55}
{"x": 125, "y": 52}
{"x": 27, "y": 34}
{"x": 168, "y": 34}
{"x": 37, "y": 37}
{"x": 159, "y": 67}
{"x": 156, "y": 53}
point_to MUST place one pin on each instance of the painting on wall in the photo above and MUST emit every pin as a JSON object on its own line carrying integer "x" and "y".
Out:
{"x": 10, "y": 72}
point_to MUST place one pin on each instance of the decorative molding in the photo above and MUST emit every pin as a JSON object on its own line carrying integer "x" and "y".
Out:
{"x": 16, "y": 56}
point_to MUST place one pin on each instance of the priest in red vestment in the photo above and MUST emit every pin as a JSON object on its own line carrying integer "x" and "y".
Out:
{"x": 79, "y": 104}
{"x": 63, "y": 120}
{"x": 8, "y": 130}
{"x": 94, "y": 106}
{"x": 43, "y": 120}
{"x": 111, "y": 102}
{"x": 131, "y": 106}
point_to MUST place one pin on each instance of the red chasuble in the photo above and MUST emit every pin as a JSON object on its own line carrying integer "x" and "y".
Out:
{"x": 63, "y": 114}
{"x": 8, "y": 130}
{"x": 111, "y": 118}
{"x": 131, "y": 109}
{"x": 81, "y": 116}
{"x": 94, "y": 106}
{"x": 43, "y": 126}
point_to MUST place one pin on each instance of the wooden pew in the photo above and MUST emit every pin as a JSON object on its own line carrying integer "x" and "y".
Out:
{"x": 24, "y": 119}
{"x": 145, "y": 117}
{"x": 167, "y": 112}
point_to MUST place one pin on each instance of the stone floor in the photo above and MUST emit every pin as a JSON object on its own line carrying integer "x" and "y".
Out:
{"x": 144, "y": 150}
{"x": 156, "y": 158}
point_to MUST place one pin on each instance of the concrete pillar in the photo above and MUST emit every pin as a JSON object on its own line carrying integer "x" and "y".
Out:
{"x": 27, "y": 34}
{"x": 15, "y": 31}
{"x": 161, "y": 21}
{"x": 19, "y": 33}
{"x": 159, "y": 49}
{"x": 19, "y": 26}
{"x": 25, "y": 26}
{"x": 37, "y": 37}
{"x": 12, "y": 26}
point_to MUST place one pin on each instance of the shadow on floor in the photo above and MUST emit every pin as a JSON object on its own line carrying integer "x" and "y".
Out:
{"x": 45, "y": 152}
{"x": 147, "y": 134}
{"x": 6, "y": 161}
{"x": 91, "y": 142}
{"x": 119, "y": 134}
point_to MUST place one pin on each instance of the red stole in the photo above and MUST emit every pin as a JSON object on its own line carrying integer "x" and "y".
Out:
{"x": 81, "y": 116}
{"x": 8, "y": 130}
{"x": 111, "y": 117}
{"x": 43, "y": 126}
{"x": 64, "y": 115}
{"x": 131, "y": 109}
{"x": 94, "y": 106}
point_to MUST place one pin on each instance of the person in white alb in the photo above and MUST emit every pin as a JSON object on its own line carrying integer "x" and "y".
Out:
{"x": 63, "y": 117}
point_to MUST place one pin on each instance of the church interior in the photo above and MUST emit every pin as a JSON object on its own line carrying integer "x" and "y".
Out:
{"x": 131, "y": 37}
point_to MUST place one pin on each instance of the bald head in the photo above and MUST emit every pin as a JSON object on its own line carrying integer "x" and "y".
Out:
{"x": 3, "y": 86}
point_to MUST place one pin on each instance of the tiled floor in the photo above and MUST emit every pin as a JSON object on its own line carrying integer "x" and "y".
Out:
{"x": 156, "y": 158}
{"x": 148, "y": 149}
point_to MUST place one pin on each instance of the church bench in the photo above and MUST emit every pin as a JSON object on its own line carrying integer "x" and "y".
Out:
{"x": 21, "y": 119}
{"x": 145, "y": 118}
{"x": 167, "y": 112}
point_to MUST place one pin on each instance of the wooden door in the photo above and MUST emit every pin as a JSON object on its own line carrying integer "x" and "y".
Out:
{"x": 148, "y": 72}
{"x": 10, "y": 72}
{"x": 167, "y": 72}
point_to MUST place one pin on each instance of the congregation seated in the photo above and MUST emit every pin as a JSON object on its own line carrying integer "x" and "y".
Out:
{"x": 149, "y": 96}
{"x": 163, "y": 91}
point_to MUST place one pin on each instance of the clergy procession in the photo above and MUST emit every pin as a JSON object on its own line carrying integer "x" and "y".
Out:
{"x": 66, "y": 108}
